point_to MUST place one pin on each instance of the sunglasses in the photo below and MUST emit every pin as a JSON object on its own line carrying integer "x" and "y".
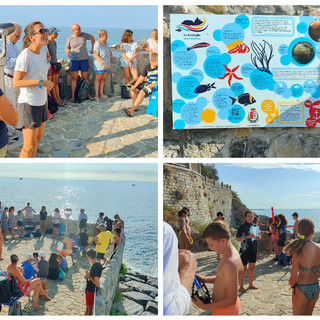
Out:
{"x": 42, "y": 31}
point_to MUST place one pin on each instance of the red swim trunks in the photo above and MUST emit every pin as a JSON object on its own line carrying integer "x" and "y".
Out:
{"x": 89, "y": 298}
{"x": 25, "y": 288}
{"x": 228, "y": 311}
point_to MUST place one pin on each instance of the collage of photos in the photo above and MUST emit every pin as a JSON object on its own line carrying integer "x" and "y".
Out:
{"x": 188, "y": 145}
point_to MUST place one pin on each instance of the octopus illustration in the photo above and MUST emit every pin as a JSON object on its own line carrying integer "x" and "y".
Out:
{"x": 238, "y": 46}
{"x": 231, "y": 74}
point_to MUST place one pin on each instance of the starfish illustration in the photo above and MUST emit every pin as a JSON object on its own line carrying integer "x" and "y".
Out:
{"x": 230, "y": 73}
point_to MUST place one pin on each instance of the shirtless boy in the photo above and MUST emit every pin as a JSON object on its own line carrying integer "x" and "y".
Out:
{"x": 68, "y": 245}
{"x": 295, "y": 217}
{"x": 225, "y": 300}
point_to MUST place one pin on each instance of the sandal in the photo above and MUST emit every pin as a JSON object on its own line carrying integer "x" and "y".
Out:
{"x": 128, "y": 113}
{"x": 91, "y": 99}
{"x": 73, "y": 100}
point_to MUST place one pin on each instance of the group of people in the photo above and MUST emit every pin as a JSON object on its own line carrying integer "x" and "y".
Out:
{"x": 232, "y": 265}
{"x": 33, "y": 273}
{"x": 32, "y": 73}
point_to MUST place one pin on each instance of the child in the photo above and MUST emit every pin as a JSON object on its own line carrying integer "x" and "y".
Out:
{"x": 248, "y": 251}
{"x": 69, "y": 243}
{"x": 295, "y": 217}
{"x": 184, "y": 239}
{"x": 225, "y": 300}
{"x": 255, "y": 224}
{"x": 28, "y": 268}
{"x": 63, "y": 262}
{"x": 93, "y": 283}
{"x": 99, "y": 220}
{"x": 43, "y": 266}
{"x": 143, "y": 87}
{"x": 128, "y": 60}
{"x": 305, "y": 269}
{"x": 4, "y": 223}
{"x": 20, "y": 223}
{"x": 56, "y": 222}
{"x": 83, "y": 240}
{"x": 35, "y": 261}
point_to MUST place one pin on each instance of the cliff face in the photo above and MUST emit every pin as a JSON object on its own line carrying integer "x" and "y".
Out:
{"x": 242, "y": 143}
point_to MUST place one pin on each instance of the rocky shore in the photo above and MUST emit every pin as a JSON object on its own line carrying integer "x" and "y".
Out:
{"x": 140, "y": 294}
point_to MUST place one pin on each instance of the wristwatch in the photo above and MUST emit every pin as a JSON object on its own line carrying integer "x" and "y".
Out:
{"x": 40, "y": 83}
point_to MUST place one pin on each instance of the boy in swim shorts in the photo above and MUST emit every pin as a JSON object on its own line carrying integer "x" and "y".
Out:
{"x": 225, "y": 300}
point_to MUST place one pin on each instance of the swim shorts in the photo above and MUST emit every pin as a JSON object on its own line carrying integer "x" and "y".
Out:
{"x": 101, "y": 71}
{"x": 144, "y": 86}
{"x": 100, "y": 255}
{"x": 56, "y": 225}
{"x": 52, "y": 71}
{"x": 20, "y": 224}
{"x": 250, "y": 255}
{"x": 89, "y": 298}
{"x": 31, "y": 117}
{"x": 82, "y": 65}
{"x": 233, "y": 310}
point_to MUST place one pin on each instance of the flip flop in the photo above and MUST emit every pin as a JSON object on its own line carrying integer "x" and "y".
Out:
{"x": 39, "y": 308}
{"x": 129, "y": 114}
{"x": 92, "y": 99}
{"x": 73, "y": 100}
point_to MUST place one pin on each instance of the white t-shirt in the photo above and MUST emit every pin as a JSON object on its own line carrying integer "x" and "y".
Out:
{"x": 176, "y": 298}
{"x": 130, "y": 49}
{"x": 56, "y": 217}
{"x": 36, "y": 67}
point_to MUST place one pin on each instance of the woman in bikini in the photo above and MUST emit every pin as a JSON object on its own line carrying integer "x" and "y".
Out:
{"x": 184, "y": 240}
{"x": 26, "y": 286}
{"x": 305, "y": 269}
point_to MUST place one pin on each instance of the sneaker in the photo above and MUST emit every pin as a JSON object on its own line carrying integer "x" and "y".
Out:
{"x": 50, "y": 116}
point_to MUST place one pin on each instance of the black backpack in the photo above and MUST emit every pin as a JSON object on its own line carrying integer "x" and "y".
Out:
{"x": 52, "y": 105}
{"x": 82, "y": 90}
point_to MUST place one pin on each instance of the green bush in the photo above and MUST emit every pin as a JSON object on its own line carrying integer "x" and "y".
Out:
{"x": 118, "y": 297}
{"x": 235, "y": 243}
{"x": 199, "y": 226}
{"x": 123, "y": 269}
{"x": 116, "y": 312}
{"x": 166, "y": 206}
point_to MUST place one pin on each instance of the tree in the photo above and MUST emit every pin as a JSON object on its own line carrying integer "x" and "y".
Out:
{"x": 209, "y": 170}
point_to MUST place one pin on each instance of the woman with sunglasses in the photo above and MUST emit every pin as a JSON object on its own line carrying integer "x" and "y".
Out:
{"x": 30, "y": 75}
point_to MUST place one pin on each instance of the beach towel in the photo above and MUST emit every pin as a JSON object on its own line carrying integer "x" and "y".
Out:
{"x": 153, "y": 103}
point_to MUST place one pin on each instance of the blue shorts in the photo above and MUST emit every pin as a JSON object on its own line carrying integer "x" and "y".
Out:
{"x": 101, "y": 71}
{"x": 82, "y": 65}
{"x": 100, "y": 255}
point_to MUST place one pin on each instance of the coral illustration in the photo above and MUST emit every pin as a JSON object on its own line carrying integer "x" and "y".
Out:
{"x": 261, "y": 56}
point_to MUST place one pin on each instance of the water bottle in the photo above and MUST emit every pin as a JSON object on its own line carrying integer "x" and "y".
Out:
{"x": 201, "y": 294}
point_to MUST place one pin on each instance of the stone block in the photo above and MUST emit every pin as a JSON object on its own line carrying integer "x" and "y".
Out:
{"x": 152, "y": 307}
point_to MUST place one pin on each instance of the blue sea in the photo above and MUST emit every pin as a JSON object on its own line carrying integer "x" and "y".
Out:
{"x": 137, "y": 206}
{"x": 314, "y": 214}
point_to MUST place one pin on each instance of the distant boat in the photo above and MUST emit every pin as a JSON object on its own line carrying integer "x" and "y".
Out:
{"x": 133, "y": 185}
{"x": 20, "y": 178}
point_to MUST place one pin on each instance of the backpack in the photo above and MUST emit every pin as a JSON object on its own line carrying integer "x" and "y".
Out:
{"x": 52, "y": 105}
{"x": 283, "y": 260}
{"x": 15, "y": 309}
{"x": 36, "y": 234}
{"x": 5, "y": 290}
{"x": 82, "y": 90}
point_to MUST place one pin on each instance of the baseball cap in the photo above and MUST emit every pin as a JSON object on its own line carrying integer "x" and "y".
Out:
{"x": 29, "y": 256}
{"x": 53, "y": 30}
{"x": 102, "y": 226}
{"x": 42, "y": 254}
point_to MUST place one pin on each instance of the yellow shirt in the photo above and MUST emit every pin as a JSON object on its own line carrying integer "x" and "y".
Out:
{"x": 104, "y": 239}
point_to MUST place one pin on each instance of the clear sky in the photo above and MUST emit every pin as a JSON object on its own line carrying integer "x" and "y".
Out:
{"x": 146, "y": 172}
{"x": 285, "y": 186}
{"x": 107, "y": 16}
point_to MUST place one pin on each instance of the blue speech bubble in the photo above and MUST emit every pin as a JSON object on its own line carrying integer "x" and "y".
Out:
{"x": 302, "y": 27}
{"x": 309, "y": 86}
{"x": 262, "y": 80}
{"x": 237, "y": 88}
{"x": 176, "y": 77}
{"x": 190, "y": 114}
{"x": 223, "y": 114}
{"x": 202, "y": 102}
{"x": 236, "y": 114}
{"x": 217, "y": 35}
{"x": 197, "y": 73}
{"x": 186, "y": 86}
{"x": 179, "y": 124}
{"x": 213, "y": 67}
{"x": 177, "y": 105}
{"x": 177, "y": 44}
{"x": 283, "y": 49}
{"x": 297, "y": 90}
{"x": 213, "y": 50}
{"x": 222, "y": 98}
{"x": 246, "y": 69}
{"x": 184, "y": 59}
{"x": 242, "y": 21}
{"x": 280, "y": 87}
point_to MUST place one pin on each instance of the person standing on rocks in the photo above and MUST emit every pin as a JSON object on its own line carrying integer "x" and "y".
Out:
{"x": 11, "y": 92}
{"x": 219, "y": 217}
{"x": 30, "y": 75}
{"x": 304, "y": 279}
{"x": 28, "y": 210}
{"x": 184, "y": 239}
{"x": 248, "y": 250}
{"x": 295, "y": 217}
{"x": 82, "y": 220}
{"x": 225, "y": 300}
{"x": 93, "y": 280}
{"x": 76, "y": 49}
{"x": 179, "y": 268}
{"x": 55, "y": 65}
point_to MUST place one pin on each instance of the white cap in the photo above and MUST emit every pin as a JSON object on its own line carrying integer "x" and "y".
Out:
{"x": 42, "y": 254}
{"x": 29, "y": 256}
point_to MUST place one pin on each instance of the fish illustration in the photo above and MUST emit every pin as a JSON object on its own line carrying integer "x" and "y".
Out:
{"x": 196, "y": 22}
{"x": 244, "y": 99}
{"x": 199, "y": 45}
{"x": 204, "y": 88}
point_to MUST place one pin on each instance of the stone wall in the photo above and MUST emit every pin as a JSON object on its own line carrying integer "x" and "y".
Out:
{"x": 204, "y": 197}
{"x": 109, "y": 283}
{"x": 113, "y": 81}
{"x": 242, "y": 143}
